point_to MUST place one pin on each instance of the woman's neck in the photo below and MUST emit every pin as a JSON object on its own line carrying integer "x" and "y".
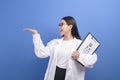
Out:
{"x": 67, "y": 38}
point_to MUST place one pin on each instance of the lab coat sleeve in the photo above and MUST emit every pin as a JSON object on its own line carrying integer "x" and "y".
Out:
{"x": 87, "y": 60}
{"x": 40, "y": 49}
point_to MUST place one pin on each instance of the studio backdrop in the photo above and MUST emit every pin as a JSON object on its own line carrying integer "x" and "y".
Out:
{"x": 17, "y": 58}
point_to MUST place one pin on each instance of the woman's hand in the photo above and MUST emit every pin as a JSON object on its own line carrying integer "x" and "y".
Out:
{"x": 75, "y": 55}
{"x": 33, "y": 31}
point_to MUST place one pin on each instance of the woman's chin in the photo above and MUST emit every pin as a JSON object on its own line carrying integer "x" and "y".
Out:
{"x": 61, "y": 34}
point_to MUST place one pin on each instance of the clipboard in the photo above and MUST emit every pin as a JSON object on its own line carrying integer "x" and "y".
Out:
{"x": 89, "y": 44}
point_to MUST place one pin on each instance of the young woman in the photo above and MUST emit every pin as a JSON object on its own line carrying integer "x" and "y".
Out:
{"x": 65, "y": 62}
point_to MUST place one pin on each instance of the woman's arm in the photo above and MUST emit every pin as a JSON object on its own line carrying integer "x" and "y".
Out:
{"x": 87, "y": 60}
{"x": 40, "y": 50}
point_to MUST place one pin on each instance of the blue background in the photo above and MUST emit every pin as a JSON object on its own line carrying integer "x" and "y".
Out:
{"x": 17, "y": 58}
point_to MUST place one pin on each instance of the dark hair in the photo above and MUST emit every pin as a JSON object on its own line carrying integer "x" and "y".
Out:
{"x": 71, "y": 21}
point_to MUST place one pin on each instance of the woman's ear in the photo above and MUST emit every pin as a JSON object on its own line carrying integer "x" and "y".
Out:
{"x": 70, "y": 27}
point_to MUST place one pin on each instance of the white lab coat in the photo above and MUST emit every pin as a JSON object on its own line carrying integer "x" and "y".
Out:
{"x": 74, "y": 71}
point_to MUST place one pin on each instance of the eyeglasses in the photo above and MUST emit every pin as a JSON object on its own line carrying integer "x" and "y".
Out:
{"x": 61, "y": 24}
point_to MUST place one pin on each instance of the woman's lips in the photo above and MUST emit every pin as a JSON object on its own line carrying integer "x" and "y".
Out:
{"x": 61, "y": 30}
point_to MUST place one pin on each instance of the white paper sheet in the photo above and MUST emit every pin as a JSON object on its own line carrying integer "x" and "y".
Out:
{"x": 89, "y": 45}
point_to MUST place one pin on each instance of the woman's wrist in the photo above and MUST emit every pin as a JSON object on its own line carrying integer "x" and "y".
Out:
{"x": 36, "y": 32}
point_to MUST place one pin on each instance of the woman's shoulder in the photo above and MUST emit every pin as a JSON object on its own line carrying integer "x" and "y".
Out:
{"x": 77, "y": 40}
{"x": 55, "y": 41}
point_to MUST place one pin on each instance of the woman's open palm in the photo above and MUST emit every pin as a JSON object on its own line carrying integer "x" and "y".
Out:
{"x": 33, "y": 31}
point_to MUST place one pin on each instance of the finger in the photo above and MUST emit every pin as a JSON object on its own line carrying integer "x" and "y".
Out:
{"x": 76, "y": 55}
{"x": 26, "y": 29}
{"x": 72, "y": 55}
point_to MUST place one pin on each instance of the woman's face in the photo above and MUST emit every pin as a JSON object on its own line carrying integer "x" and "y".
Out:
{"x": 64, "y": 28}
